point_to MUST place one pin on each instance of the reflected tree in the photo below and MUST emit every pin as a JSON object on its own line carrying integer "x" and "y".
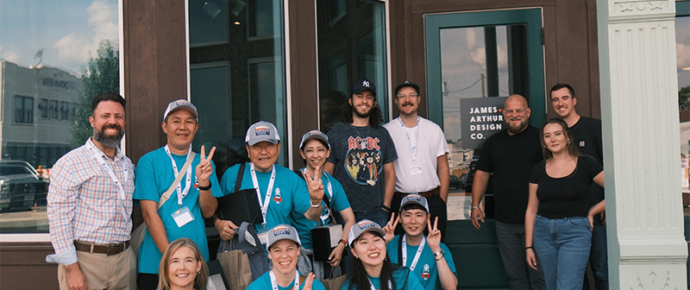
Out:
{"x": 101, "y": 76}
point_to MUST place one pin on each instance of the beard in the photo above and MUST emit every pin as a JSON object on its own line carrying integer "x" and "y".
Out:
{"x": 516, "y": 129}
{"x": 365, "y": 114}
{"x": 108, "y": 141}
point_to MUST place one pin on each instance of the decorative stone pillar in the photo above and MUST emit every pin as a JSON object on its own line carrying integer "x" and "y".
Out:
{"x": 637, "y": 58}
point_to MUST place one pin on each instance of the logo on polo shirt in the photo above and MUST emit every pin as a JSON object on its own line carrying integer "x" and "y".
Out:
{"x": 582, "y": 143}
{"x": 262, "y": 131}
{"x": 281, "y": 230}
{"x": 425, "y": 272}
{"x": 277, "y": 197}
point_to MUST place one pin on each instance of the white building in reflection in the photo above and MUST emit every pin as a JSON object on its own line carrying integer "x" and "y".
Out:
{"x": 37, "y": 107}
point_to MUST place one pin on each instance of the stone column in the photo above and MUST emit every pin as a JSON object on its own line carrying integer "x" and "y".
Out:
{"x": 637, "y": 54}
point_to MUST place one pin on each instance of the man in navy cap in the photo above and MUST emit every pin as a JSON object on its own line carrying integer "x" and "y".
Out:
{"x": 362, "y": 155}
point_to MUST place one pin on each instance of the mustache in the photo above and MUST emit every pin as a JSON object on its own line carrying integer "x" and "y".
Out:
{"x": 407, "y": 103}
{"x": 114, "y": 126}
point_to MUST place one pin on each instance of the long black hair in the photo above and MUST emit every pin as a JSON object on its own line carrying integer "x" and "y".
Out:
{"x": 375, "y": 117}
{"x": 359, "y": 280}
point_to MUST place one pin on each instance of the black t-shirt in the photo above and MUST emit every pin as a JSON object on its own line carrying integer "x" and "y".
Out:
{"x": 587, "y": 137}
{"x": 510, "y": 159}
{"x": 359, "y": 154}
{"x": 565, "y": 196}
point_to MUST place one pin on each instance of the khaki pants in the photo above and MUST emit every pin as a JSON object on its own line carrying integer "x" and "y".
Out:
{"x": 105, "y": 272}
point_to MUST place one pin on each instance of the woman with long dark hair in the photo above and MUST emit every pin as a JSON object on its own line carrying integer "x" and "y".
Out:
{"x": 558, "y": 220}
{"x": 371, "y": 267}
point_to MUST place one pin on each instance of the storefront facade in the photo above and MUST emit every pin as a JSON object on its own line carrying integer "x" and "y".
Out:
{"x": 292, "y": 63}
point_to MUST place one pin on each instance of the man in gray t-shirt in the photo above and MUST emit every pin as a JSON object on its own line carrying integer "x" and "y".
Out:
{"x": 362, "y": 156}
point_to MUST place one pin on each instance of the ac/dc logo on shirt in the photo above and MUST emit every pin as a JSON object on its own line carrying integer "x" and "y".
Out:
{"x": 363, "y": 163}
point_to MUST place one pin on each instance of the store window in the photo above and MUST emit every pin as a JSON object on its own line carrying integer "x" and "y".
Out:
{"x": 237, "y": 74}
{"x": 49, "y": 56}
{"x": 352, "y": 45}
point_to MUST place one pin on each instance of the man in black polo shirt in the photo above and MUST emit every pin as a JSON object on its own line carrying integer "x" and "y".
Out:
{"x": 510, "y": 156}
{"x": 587, "y": 137}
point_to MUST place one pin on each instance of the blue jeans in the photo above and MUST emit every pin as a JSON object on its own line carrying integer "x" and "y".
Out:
{"x": 563, "y": 247}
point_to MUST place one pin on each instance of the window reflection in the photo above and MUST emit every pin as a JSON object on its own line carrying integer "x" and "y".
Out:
{"x": 50, "y": 51}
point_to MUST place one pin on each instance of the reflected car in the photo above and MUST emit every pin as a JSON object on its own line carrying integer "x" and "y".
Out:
{"x": 21, "y": 187}
{"x": 455, "y": 182}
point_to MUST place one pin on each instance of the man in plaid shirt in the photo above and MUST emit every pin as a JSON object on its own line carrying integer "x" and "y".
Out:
{"x": 90, "y": 204}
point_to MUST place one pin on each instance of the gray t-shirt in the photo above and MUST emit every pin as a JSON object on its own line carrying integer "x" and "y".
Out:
{"x": 359, "y": 154}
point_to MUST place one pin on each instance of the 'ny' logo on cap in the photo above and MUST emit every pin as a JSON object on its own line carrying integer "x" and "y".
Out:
{"x": 365, "y": 83}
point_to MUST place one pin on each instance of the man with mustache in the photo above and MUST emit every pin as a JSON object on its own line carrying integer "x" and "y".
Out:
{"x": 422, "y": 166}
{"x": 508, "y": 157}
{"x": 370, "y": 189}
{"x": 182, "y": 215}
{"x": 587, "y": 137}
{"x": 90, "y": 206}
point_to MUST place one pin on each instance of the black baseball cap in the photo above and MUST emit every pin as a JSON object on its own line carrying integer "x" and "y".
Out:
{"x": 363, "y": 84}
{"x": 406, "y": 84}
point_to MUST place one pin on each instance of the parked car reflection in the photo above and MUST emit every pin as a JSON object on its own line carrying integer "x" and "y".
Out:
{"x": 21, "y": 187}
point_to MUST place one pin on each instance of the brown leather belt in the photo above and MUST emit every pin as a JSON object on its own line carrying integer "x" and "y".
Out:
{"x": 109, "y": 250}
{"x": 428, "y": 194}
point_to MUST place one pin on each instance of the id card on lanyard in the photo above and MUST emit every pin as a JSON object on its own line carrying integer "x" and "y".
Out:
{"x": 274, "y": 282}
{"x": 120, "y": 185}
{"x": 416, "y": 256}
{"x": 265, "y": 202}
{"x": 183, "y": 215}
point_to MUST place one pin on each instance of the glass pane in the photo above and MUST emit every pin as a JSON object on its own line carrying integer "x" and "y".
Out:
{"x": 683, "y": 69}
{"x": 208, "y": 22}
{"x": 239, "y": 82}
{"x": 53, "y": 55}
{"x": 477, "y": 62}
{"x": 351, "y": 47}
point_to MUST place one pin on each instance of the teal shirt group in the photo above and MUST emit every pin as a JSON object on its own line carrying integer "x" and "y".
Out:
{"x": 290, "y": 196}
{"x": 425, "y": 271}
{"x": 264, "y": 283}
{"x": 404, "y": 279}
{"x": 154, "y": 175}
{"x": 338, "y": 201}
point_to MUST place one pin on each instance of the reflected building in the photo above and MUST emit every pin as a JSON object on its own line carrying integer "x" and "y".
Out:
{"x": 37, "y": 107}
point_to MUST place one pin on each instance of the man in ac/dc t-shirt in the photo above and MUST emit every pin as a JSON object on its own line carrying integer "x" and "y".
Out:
{"x": 510, "y": 156}
{"x": 362, "y": 156}
{"x": 587, "y": 137}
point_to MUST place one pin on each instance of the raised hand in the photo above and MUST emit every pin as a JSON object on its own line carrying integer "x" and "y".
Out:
{"x": 389, "y": 229}
{"x": 315, "y": 185}
{"x": 204, "y": 169}
{"x": 434, "y": 237}
{"x": 309, "y": 281}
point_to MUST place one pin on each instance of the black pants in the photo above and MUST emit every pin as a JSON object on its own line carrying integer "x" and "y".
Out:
{"x": 147, "y": 281}
{"x": 437, "y": 208}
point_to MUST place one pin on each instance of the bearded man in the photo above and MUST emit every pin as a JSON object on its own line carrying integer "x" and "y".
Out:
{"x": 509, "y": 156}
{"x": 90, "y": 206}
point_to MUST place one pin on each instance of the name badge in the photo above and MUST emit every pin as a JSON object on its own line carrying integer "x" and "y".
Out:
{"x": 415, "y": 170}
{"x": 183, "y": 216}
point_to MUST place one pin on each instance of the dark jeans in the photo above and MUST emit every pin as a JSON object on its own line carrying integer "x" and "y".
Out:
{"x": 437, "y": 208}
{"x": 147, "y": 281}
{"x": 598, "y": 257}
{"x": 511, "y": 245}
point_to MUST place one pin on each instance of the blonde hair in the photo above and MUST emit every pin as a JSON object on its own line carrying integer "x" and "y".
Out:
{"x": 164, "y": 268}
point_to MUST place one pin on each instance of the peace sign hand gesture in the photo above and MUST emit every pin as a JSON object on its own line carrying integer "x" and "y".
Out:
{"x": 309, "y": 281}
{"x": 204, "y": 169}
{"x": 389, "y": 229}
{"x": 434, "y": 237}
{"x": 315, "y": 185}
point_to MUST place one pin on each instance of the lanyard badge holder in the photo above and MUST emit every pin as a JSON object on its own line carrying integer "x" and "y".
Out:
{"x": 263, "y": 232}
{"x": 183, "y": 215}
{"x": 120, "y": 185}
{"x": 414, "y": 168}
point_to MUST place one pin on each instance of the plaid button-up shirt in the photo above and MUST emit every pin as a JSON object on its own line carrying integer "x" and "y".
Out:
{"x": 84, "y": 203}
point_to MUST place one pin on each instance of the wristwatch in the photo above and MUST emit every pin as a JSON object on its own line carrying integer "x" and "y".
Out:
{"x": 438, "y": 255}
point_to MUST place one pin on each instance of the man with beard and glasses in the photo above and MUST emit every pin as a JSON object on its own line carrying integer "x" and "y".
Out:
{"x": 508, "y": 157}
{"x": 90, "y": 206}
{"x": 422, "y": 166}
{"x": 362, "y": 155}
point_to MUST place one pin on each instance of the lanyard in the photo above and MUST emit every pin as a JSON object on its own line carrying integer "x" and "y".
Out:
{"x": 104, "y": 164}
{"x": 274, "y": 283}
{"x": 181, "y": 193}
{"x": 414, "y": 143}
{"x": 416, "y": 256}
{"x": 269, "y": 190}
{"x": 390, "y": 286}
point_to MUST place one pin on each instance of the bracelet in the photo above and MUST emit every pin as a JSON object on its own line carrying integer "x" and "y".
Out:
{"x": 384, "y": 207}
{"x": 439, "y": 255}
{"x": 316, "y": 205}
{"x": 204, "y": 187}
{"x": 476, "y": 207}
{"x": 343, "y": 242}
{"x": 530, "y": 247}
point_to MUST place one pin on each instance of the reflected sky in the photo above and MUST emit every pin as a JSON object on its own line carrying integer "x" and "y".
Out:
{"x": 68, "y": 31}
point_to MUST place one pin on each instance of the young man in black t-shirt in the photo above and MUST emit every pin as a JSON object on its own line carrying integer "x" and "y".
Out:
{"x": 510, "y": 155}
{"x": 587, "y": 137}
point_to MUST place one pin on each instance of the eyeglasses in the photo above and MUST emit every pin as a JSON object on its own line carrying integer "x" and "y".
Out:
{"x": 408, "y": 96}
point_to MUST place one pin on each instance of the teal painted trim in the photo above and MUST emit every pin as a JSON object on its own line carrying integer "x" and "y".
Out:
{"x": 535, "y": 51}
{"x": 683, "y": 8}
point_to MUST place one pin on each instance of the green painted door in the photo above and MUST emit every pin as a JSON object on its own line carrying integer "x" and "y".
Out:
{"x": 476, "y": 55}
